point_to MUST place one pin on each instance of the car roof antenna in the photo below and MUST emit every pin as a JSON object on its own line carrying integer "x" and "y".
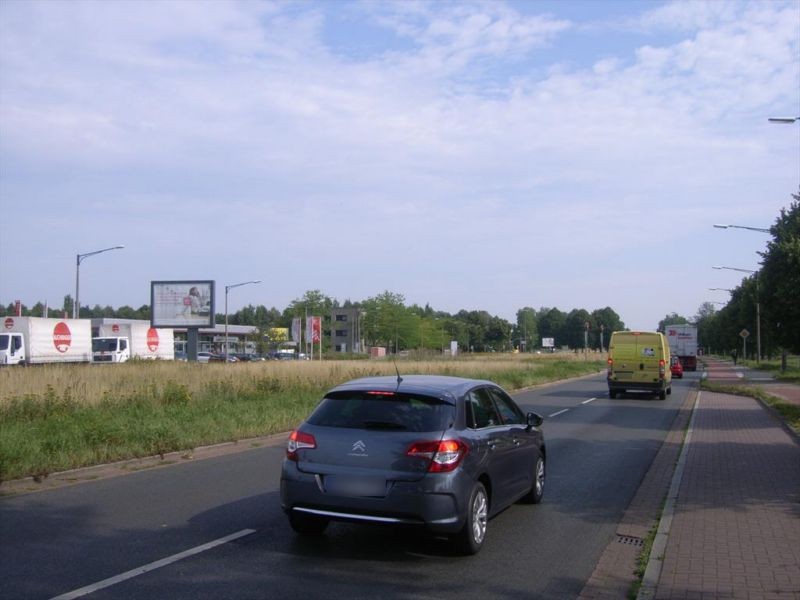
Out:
{"x": 399, "y": 379}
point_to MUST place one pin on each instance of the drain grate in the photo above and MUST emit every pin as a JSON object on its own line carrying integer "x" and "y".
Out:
{"x": 629, "y": 540}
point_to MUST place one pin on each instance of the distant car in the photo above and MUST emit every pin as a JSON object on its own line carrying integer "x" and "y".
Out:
{"x": 676, "y": 367}
{"x": 444, "y": 453}
{"x": 181, "y": 356}
{"x": 204, "y": 357}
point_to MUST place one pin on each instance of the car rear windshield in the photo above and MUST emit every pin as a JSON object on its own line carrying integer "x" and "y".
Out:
{"x": 383, "y": 410}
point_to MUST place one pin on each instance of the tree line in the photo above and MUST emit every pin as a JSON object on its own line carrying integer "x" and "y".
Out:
{"x": 772, "y": 292}
{"x": 386, "y": 320}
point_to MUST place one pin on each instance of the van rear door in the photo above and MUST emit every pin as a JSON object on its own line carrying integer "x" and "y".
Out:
{"x": 649, "y": 355}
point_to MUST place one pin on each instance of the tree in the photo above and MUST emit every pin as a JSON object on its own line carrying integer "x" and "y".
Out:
{"x": 383, "y": 319}
{"x": 69, "y": 304}
{"x": 780, "y": 278}
{"x": 312, "y": 303}
{"x": 671, "y": 319}
{"x": 527, "y": 328}
{"x": 610, "y": 322}
{"x": 575, "y": 327}
{"x": 551, "y": 325}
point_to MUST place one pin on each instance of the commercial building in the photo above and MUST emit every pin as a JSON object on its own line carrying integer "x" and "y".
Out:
{"x": 345, "y": 330}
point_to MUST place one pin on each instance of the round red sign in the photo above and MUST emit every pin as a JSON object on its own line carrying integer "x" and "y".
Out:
{"x": 115, "y": 328}
{"x": 152, "y": 339}
{"x": 9, "y": 323}
{"x": 62, "y": 337}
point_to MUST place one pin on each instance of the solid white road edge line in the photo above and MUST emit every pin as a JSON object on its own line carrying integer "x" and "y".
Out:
{"x": 152, "y": 566}
{"x": 589, "y": 400}
{"x": 555, "y": 414}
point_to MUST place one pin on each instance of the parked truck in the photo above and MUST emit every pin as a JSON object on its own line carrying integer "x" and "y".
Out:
{"x": 119, "y": 342}
{"x": 37, "y": 340}
{"x": 683, "y": 344}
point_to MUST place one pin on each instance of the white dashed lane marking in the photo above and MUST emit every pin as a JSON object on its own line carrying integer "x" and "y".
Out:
{"x": 152, "y": 566}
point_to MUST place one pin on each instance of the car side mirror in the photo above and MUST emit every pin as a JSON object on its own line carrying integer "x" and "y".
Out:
{"x": 534, "y": 420}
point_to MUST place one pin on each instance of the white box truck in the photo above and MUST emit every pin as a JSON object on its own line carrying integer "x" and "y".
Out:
{"x": 683, "y": 344}
{"x": 119, "y": 342}
{"x": 36, "y": 340}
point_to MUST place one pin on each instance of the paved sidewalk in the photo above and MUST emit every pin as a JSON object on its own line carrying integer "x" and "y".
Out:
{"x": 735, "y": 530}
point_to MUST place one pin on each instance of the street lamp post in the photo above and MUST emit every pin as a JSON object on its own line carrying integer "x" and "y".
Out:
{"x": 758, "y": 307}
{"x": 227, "y": 289}
{"x": 759, "y": 229}
{"x": 76, "y": 310}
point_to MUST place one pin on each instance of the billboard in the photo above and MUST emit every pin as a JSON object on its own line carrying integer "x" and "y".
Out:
{"x": 548, "y": 342}
{"x": 182, "y": 303}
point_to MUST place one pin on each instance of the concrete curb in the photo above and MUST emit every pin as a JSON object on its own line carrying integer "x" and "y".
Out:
{"x": 653, "y": 571}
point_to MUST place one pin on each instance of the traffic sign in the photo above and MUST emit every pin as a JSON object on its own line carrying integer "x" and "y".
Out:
{"x": 744, "y": 334}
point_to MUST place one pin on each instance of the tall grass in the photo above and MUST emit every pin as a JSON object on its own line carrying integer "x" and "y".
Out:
{"x": 57, "y": 417}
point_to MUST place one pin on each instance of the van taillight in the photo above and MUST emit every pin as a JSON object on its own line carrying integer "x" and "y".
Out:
{"x": 662, "y": 367}
{"x": 299, "y": 440}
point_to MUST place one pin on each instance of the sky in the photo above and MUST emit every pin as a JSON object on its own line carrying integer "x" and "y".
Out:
{"x": 468, "y": 155}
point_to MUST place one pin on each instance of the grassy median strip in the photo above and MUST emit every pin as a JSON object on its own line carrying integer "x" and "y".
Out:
{"x": 54, "y": 418}
{"x": 790, "y": 413}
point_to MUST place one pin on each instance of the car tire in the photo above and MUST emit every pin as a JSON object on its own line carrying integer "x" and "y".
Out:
{"x": 662, "y": 395}
{"x": 471, "y": 537}
{"x": 612, "y": 394}
{"x": 307, "y": 524}
{"x": 537, "y": 489}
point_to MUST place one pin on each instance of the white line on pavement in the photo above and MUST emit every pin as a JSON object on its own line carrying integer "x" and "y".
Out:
{"x": 152, "y": 566}
{"x": 555, "y": 414}
{"x": 589, "y": 400}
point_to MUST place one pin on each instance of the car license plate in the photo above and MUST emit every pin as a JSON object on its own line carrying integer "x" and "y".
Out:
{"x": 355, "y": 486}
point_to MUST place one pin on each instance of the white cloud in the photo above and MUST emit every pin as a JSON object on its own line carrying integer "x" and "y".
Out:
{"x": 239, "y": 125}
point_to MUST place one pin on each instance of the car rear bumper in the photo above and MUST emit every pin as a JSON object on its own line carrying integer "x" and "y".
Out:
{"x": 633, "y": 386}
{"x": 433, "y": 501}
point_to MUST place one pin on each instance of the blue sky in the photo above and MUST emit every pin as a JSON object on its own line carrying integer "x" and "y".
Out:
{"x": 465, "y": 154}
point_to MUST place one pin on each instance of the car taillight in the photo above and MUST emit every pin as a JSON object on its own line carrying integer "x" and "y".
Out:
{"x": 299, "y": 440}
{"x": 444, "y": 455}
{"x": 662, "y": 367}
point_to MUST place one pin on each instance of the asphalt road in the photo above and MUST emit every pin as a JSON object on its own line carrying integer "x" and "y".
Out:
{"x": 599, "y": 449}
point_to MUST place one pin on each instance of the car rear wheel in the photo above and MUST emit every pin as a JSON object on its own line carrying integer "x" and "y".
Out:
{"x": 612, "y": 394}
{"x": 662, "y": 395}
{"x": 537, "y": 489}
{"x": 471, "y": 537}
{"x": 307, "y": 524}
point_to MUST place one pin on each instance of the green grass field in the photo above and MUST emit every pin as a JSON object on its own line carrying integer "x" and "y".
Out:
{"x": 59, "y": 417}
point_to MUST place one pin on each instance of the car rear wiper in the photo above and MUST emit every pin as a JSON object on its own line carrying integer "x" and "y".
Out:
{"x": 383, "y": 425}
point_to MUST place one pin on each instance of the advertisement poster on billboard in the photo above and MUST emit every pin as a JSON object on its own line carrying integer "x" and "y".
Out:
{"x": 182, "y": 303}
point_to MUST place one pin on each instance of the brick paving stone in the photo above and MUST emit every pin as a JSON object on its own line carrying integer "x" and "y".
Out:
{"x": 736, "y": 527}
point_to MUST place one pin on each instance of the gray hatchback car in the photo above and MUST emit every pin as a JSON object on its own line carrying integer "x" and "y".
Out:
{"x": 445, "y": 453}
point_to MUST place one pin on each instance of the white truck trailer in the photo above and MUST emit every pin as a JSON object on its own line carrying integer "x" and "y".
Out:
{"x": 683, "y": 344}
{"x": 119, "y": 342}
{"x": 36, "y": 340}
